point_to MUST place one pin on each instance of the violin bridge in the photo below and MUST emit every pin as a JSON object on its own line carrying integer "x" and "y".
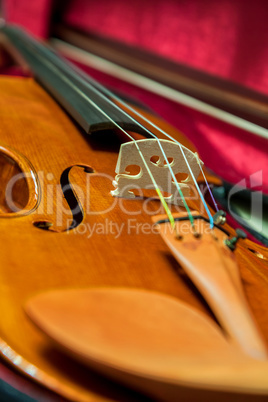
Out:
{"x": 156, "y": 160}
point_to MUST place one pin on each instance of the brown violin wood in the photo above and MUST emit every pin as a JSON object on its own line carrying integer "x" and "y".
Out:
{"x": 115, "y": 245}
{"x": 212, "y": 267}
{"x": 161, "y": 343}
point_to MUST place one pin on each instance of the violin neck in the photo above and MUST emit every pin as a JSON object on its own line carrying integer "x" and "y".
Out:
{"x": 74, "y": 90}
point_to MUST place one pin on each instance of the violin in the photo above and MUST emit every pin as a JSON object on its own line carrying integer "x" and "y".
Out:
{"x": 104, "y": 194}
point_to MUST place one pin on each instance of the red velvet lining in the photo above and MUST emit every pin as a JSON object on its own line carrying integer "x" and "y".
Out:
{"x": 33, "y": 15}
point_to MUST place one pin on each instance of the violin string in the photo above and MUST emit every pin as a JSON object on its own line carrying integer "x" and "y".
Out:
{"x": 108, "y": 94}
{"x": 100, "y": 91}
{"x": 66, "y": 79}
{"x": 103, "y": 89}
{"x": 162, "y": 199}
{"x": 59, "y": 63}
{"x": 112, "y": 95}
{"x": 207, "y": 185}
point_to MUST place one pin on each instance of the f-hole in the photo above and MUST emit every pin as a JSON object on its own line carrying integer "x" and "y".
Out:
{"x": 71, "y": 199}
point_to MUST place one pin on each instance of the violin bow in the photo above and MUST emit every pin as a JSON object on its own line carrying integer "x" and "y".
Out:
{"x": 226, "y": 101}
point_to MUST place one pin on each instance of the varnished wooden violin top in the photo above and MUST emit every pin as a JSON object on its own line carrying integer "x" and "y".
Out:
{"x": 66, "y": 184}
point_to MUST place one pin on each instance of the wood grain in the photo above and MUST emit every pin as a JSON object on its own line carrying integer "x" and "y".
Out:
{"x": 34, "y": 260}
{"x": 212, "y": 267}
{"x": 146, "y": 336}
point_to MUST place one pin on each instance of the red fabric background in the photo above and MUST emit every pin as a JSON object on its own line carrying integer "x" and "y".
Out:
{"x": 226, "y": 38}
{"x": 34, "y": 15}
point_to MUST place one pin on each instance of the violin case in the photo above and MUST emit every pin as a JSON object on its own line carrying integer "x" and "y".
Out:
{"x": 218, "y": 48}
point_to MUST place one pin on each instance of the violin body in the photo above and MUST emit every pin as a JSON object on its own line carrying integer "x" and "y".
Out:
{"x": 107, "y": 242}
